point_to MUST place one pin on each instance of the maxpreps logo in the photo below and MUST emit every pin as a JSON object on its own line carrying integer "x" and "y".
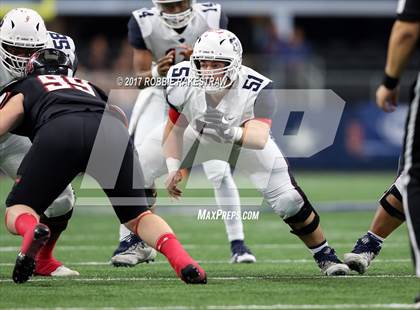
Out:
{"x": 215, "y": 215}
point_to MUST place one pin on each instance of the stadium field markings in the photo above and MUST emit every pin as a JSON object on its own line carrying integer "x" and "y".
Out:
{"x": 205, "y": 246}
{"x": 262, "y": 261}
{"x": 250, "y": 307}
{"x": 133, "y": 279}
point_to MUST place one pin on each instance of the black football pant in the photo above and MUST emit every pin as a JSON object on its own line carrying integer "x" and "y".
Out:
{"x": 62, "y": 149}
{"x": 411, "y": 174}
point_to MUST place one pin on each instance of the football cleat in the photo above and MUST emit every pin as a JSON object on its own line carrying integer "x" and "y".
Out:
{"x": 132, "y": 251}
{"x": 417, "y": 302}
{"x": 193, "y": 275}
{"x": 25, "y": 263}
{"x": 64, "y": 271}
{"x": 364, "y": 251}
{"x": 329, "y": 263}
{"x": 241, "y": 253}
{"x": 53, "y": 268}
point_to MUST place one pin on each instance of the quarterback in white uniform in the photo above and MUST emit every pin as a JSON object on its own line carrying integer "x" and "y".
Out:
{"x": 161, "y": 37}
{"x": 226, "y": 114}
{"x": 22, "y": 32}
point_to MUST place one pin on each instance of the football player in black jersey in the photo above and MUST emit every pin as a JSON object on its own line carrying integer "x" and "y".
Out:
{"x": 67, "y": 120}
{"x": 402, "y": 42}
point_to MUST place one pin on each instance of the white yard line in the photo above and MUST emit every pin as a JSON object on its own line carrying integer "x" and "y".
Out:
{"x": 261, "y": 261}
{"x": 204, "y": 246}
{"x": 250, "y": 307}
{"x": 134, "y": 279}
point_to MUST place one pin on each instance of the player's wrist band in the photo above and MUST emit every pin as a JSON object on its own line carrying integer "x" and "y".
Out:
{"x": 173, "y": 164}
{"x": 390, "y": 82}
{"x": 237, "y": 135}
{"x": 155, "y": 72}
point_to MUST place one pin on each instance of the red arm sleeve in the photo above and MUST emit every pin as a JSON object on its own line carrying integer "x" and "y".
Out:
{"x": 177, "y": 118}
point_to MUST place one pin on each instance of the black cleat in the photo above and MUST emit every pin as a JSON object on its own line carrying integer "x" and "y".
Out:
{"x": 192, "y": 275}
{"x": 25, "y": 263}
{"x": 417, "y": 301}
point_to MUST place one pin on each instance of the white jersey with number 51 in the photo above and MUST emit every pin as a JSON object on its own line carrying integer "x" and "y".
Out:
{"x": 242, "y": 101}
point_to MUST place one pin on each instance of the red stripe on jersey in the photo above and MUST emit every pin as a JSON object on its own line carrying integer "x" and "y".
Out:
{"x": 268, "y": 121}
{"x": 177, "y": 118}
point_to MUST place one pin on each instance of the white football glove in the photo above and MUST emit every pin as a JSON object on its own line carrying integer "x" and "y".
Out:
{"x": 217, "y": 127}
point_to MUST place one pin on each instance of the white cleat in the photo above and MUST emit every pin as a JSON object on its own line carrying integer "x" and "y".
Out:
{"x": 132, "y": 251}
{"x": 365, "y": 250}
{"x": 241, "y": 254}
{"x": 329, "y": 263}
{"x": 245, "y": 258}
{"x": 63, "y": 271}
{"x": 336, "y": 270}
{"x": 358, "y": 262}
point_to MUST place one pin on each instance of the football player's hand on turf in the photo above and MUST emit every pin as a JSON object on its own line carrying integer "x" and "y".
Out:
{"x": 171, "y": 184}
{"x": 387, "y": 99}
{"x": 165, "y": 63}
{"x": 186, "y": 51}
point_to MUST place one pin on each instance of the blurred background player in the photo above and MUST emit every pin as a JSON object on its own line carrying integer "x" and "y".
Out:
{"x": 22, "y": 32}
{"x": 231, "y": 114}
{"x": 48, "y": 105}
{"x": 161, "y": 37}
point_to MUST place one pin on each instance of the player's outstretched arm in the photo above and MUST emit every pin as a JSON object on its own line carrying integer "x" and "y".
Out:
{"x": 172, "y": 149}
{"x": 11, "y": 113}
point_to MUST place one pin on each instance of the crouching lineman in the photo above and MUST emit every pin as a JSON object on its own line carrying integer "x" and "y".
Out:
{"x": 67, "y": 120}
{"x": 22, "y": 32}
{"x": 164, "y": 35}
{"x": 226, "y": 114}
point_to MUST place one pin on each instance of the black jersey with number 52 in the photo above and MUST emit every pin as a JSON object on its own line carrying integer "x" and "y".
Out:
{"x": 49, "y": 96}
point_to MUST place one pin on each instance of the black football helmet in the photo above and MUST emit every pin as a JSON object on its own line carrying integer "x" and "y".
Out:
{"x": 49, "y": 61}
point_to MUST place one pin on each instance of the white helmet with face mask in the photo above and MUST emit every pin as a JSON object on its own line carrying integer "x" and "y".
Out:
{"x": 217, "y": 45}
{"x": 175, "y": 20}
{"x": 22, "y": 32}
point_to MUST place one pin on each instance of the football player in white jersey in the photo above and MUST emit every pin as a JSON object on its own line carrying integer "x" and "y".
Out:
{"x": 226, "y": 114}
{"x": 22, "y": 32}
{"x": 160, "y": 37}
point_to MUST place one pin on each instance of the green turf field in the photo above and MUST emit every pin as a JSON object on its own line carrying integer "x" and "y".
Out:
{"x": 285, "y": 276}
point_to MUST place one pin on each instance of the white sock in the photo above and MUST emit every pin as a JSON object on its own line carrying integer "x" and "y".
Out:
{"x": 319, "y": 247}
{"x": 227, "y": 198}
{"x": 376, "y": 236}
{"x": 124, "y": 232}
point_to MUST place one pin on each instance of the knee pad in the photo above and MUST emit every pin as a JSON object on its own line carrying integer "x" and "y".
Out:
{"x": 286, "y": 204}
{"x": 62, "y": 205}
{"x": 301, "y": 217}
{"x": 390, "y": 209}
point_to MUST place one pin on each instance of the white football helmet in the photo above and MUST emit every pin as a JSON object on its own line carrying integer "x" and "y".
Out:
{"x": 217, "y": 45}
{"x": 22, "y": 32}
{"x": 175, "y": 20}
